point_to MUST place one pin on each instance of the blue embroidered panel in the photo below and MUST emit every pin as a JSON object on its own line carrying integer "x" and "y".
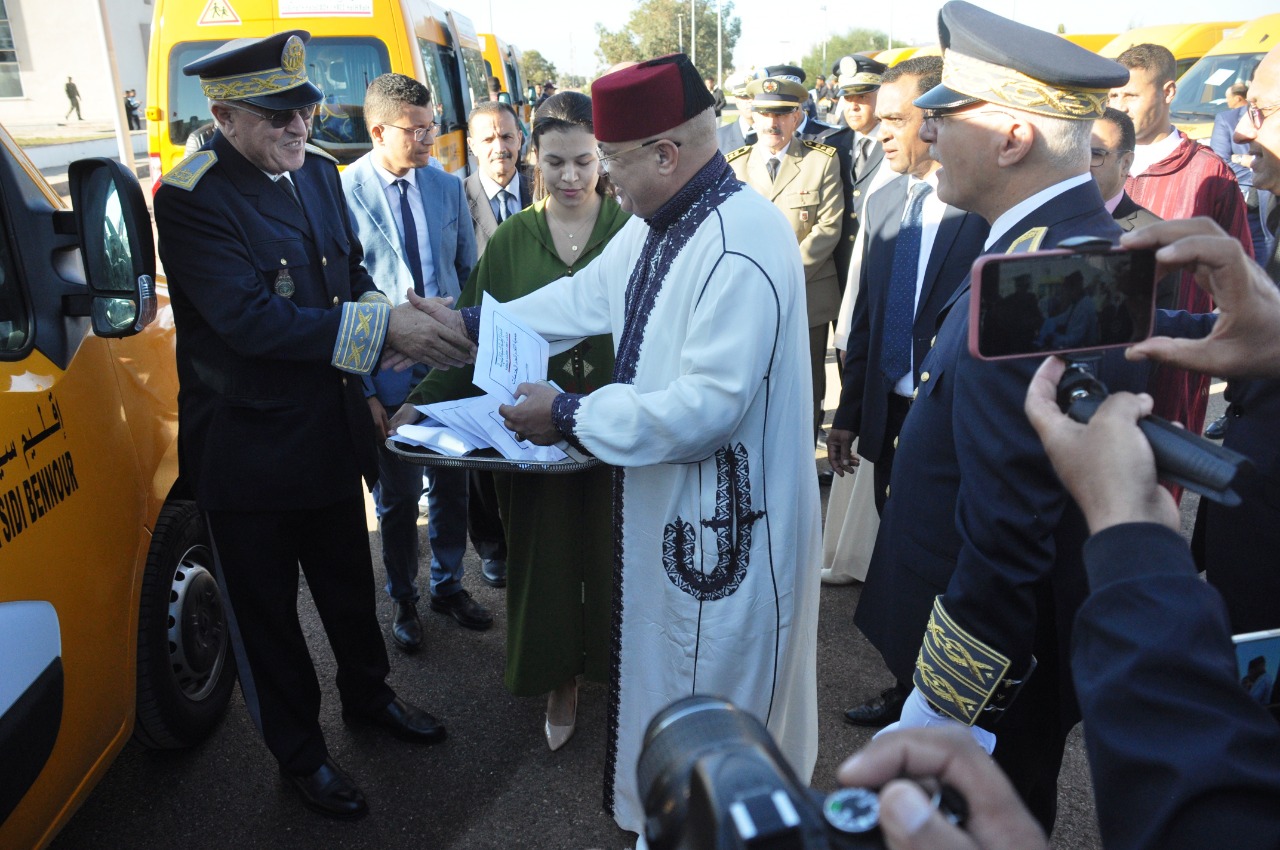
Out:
{"x": 670, "y": 230}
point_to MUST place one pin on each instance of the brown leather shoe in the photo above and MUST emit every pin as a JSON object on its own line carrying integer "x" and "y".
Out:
{"x": 464, "y": 609}
{"x": 330, "y": 792}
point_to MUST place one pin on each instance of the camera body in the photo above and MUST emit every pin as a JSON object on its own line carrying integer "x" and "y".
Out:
{"x": 710, "y": 776}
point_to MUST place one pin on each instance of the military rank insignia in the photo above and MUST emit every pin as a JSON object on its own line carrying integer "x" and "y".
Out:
{"x": 284, "y": 284}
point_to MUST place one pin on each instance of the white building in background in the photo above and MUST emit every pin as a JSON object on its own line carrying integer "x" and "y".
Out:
{"x": 42, "y": 42}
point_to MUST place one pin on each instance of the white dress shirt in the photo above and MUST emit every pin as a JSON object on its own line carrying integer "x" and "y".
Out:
{"x": 392, "y": 192}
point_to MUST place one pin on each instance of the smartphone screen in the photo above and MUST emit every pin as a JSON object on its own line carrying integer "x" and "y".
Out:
{"x": 1052, "y": 302}
{"x": 1257, "y": 662}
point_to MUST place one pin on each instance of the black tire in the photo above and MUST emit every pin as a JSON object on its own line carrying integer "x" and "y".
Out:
{"x": 186, "y": 668}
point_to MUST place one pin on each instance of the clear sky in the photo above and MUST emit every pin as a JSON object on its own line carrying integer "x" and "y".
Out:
{"x": 564, "y": 30}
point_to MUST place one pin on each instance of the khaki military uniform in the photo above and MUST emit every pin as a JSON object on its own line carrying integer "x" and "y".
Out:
{"x": 809, "y": 193}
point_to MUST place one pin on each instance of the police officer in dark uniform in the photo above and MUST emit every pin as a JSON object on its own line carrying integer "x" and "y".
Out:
{"x": 977, "y": 571}
{"x": 276, "y": 322}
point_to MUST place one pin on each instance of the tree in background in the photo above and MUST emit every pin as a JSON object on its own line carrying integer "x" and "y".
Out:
{"x": 854, "y": 41}
{"x": 655, "y": 29}
{"x": 535, "y": 69}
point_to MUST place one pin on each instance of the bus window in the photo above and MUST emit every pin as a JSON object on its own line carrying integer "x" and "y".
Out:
{"x": 477, "y": 75}
{"x": 1202, "y": 91}
{"x": 340, "y": 67}
{"x": 188, "y": 107}
{"x": 442, "y": 79}
{"x": 343, "y": 68}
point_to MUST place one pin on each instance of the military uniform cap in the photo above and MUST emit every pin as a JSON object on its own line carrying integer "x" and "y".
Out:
{"x": 858, "y": 74}
{"x": 993, "y": 59}
{"x": 736, "y": 85}
{"x": 269, "y": 72}
{"x": 794, "y": 72}
{"x": 776, "y": 94}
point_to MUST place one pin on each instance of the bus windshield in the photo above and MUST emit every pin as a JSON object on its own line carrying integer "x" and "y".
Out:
{"x": 340, "y": 67}
{"x": 1202, "y": 91}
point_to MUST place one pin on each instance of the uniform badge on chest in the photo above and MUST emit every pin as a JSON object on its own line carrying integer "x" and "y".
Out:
{"x": 804, "y": 215}
{"x": 284, "y": 284}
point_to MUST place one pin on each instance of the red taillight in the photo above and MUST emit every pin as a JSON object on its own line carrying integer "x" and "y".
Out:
{"x": 155, "y": 173}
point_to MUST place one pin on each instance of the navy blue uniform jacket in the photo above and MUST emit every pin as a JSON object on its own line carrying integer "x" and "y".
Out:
{"x": 864, "y": 392}
{"x": 1181, "y": 756}
{"x": 265, "y": 422}
{"x": 975, "y": 510}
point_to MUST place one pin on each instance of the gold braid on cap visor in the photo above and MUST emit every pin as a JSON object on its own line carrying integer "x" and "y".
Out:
{"x": 999, "y": 84}
{"x": 291, "y": 74}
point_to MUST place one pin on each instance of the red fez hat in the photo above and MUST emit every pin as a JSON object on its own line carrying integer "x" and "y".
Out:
{"x": 647, "y": 99}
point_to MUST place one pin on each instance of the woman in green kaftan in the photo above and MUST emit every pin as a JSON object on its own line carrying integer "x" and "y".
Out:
{"x": 558, "y": 527}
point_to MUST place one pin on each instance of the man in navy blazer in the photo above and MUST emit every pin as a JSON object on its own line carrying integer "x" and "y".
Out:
{"x": 874, "y": 404}
{"x": 416, "y": 231}
{"x": 977, "y": 572}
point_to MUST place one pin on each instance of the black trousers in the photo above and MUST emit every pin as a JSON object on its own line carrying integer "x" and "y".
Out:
{"x": 898, "y": 407}
{"x": 259, "y": 555}
{"x": 484, "y": 525}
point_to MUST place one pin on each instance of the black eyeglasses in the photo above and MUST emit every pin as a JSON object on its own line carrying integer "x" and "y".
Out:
{"x": 419, "y": 133}
{"x": 1258, "y": 114}
{"x": 280, "y": 120}
{"x": 1097, "y": 156}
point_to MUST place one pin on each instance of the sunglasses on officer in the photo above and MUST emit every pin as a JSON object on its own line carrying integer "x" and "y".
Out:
{"x": 1258, "y": 114}
{"x": 283, "y": 118}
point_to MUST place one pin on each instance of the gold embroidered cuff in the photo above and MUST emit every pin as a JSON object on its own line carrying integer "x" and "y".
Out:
{"x": 373, "y": 296}
{"x": 955, "y": 671}
{"x": 360, "y": 335}
{"x": 1003, "y": 85}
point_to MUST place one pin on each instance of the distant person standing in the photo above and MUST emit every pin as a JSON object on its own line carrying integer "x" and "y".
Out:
{"x": 131, "y": 107}
{"x": 73, "y": 95}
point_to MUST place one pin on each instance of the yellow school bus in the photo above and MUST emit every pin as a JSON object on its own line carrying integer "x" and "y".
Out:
{"x": 1089, "y": 40}
{"x": 1202, "y": 90}
{"x": 352, "y": 41}
{"x": 503, "y": 61}
{"x": 1187, "y": 42}
{"x": 111, "y": 620}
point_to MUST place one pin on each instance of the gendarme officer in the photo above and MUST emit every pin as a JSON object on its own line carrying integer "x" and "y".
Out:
{"x": 276, "y": 322}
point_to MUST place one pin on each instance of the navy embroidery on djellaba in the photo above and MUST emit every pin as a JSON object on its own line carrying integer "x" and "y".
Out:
{"x": 732, "y": 525}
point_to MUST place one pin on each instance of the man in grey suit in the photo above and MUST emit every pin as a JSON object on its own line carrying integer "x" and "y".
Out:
{"x": 917, "y": 251}
{"x": 413, "y": 223}
{"x": 498, "y": 189}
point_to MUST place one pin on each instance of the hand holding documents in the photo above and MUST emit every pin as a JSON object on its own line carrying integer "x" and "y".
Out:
{"x": 509, "y": 354}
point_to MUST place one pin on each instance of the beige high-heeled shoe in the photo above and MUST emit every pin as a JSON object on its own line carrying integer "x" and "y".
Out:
{"x": 557, "y": 735}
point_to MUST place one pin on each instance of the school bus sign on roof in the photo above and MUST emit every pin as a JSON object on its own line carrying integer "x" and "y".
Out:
{"x": 326, "y": 8}
{"x": 218, "y": 13}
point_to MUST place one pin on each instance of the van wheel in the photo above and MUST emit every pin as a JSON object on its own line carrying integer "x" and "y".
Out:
{"x": 186, "y": 668}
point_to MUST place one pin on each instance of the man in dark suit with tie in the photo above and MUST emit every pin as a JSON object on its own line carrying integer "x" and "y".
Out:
{"x": 277, "y": 321}
{"x": 497, "y": 190}
{"x": 916, "y": 253}
{"x": 858, "y": 85}
{"x": 413, "y": 223}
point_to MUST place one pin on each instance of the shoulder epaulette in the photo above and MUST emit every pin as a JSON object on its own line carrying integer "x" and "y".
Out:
{"x": 322, "y": 152}
{"x": 740, "y": 152}
{"x": 186, "y": 174}
{"x": 820, "y": 147}
{"x": 1029, "y": 241}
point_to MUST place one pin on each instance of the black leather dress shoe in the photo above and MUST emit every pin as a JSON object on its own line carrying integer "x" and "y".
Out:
{"x": 406, "y": 628}
{"x": 464, "y": 609}
{"x": 825, "y": 477}
{"x": 1217, "y": 429}
{"x": 878, "y": 711}
{"x": 407, "y": 722}
{"x": 494, "y": 572}
{"x": 330, "y": 792}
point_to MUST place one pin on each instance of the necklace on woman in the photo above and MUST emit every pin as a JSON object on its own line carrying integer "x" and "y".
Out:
{"x": 568, "y": 235}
